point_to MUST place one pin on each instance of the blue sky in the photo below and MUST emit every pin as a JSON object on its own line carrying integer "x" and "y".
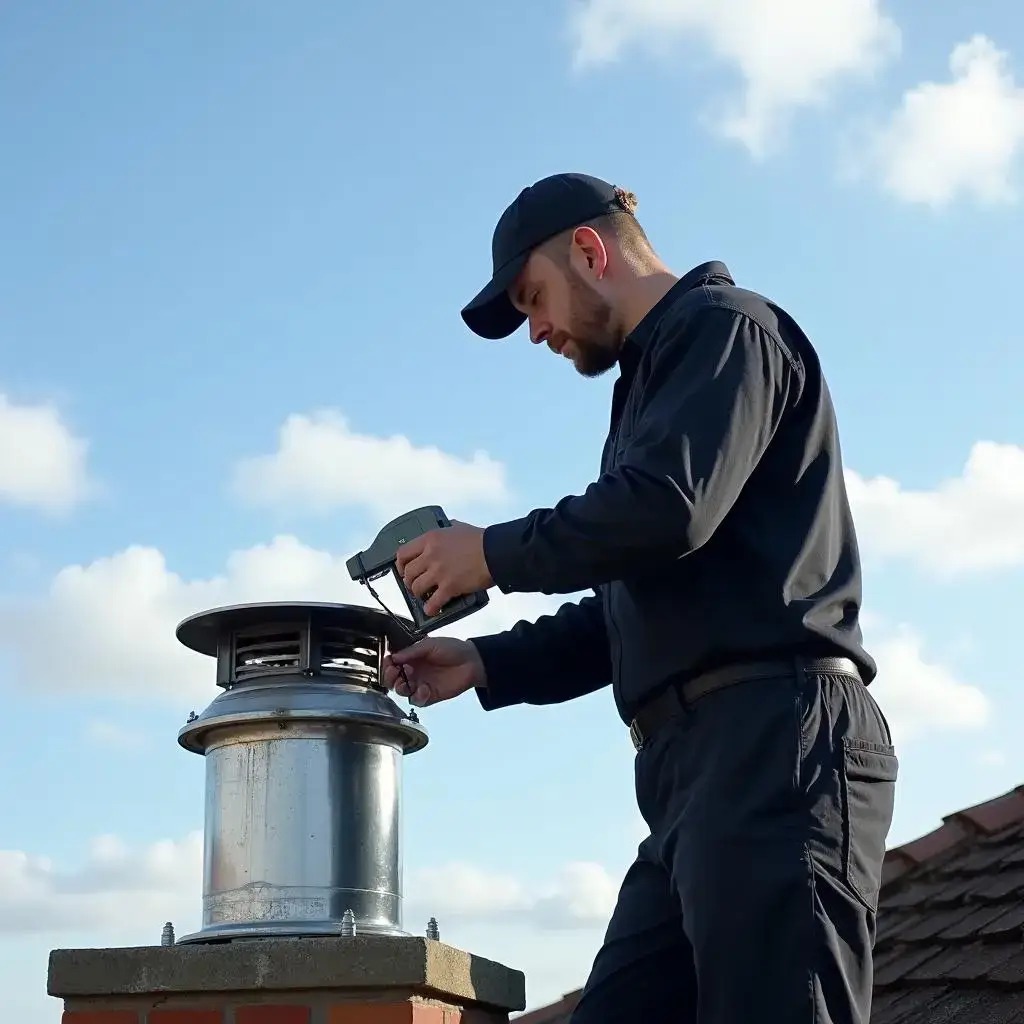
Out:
{"x": 236, "y": 238}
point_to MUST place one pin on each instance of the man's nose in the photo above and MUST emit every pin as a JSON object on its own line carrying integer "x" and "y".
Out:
{"x": 540, "y": 331}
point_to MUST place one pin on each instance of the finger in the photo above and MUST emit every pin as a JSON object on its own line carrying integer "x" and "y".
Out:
{"x": 422, "y": 696}
{"x": 425, "y": 583}
{"x": 409, "y": 551}
{"x": 404, "y": 681}
{"x": 416, "y": 567}
{"x": 408, "y": 656}
{"x": 444, "y": 593}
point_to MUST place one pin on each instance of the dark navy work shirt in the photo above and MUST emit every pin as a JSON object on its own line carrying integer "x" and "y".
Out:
{"x": 718, "y": 530}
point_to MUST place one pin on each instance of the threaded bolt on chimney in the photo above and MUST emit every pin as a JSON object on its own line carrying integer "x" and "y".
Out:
{"x": 348, "y": 923}
{"x": 167, "y": 935}
{"x": 432, "y": 930}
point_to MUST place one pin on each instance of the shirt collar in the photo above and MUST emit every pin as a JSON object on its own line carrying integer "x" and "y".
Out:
{"x": 638, "y": 338}
{"x": 713, "y": 270}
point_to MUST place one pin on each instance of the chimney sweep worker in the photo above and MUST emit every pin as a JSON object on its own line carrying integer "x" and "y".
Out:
{"x": 719, "y": 543}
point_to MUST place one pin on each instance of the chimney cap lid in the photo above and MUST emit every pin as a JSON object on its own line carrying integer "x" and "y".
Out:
{"x": 201, "y": 632}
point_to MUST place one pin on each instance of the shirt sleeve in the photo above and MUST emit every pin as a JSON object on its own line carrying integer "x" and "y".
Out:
{"x": 557, "y": 658}
{"x": 712, "y": 401}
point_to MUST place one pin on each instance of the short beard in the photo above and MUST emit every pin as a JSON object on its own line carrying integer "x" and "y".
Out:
{"x": 591, "y": 327}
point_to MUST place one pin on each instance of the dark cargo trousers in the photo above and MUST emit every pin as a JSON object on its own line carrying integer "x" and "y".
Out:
{"x": 754, "y": 898}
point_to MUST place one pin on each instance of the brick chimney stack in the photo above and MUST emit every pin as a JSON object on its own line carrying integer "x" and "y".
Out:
{"x": 302, "y": 864}
{"x": 352, "y": 980}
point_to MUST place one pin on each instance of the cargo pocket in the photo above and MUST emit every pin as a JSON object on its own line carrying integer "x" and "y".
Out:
{"x": 869, "y": 773}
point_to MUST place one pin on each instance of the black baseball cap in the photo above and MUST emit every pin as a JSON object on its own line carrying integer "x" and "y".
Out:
{"x": 539, "y": 212}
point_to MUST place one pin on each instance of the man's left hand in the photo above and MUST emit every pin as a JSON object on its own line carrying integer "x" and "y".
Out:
{"x": 450, "y": 560}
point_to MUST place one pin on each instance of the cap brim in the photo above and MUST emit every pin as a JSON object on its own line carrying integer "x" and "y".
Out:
{"x": 491, "y": 314}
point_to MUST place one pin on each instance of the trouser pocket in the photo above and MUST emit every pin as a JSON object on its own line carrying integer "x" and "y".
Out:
{"x": 868, "y": 786}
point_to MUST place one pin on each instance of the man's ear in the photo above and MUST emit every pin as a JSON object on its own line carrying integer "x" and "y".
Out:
{"x": 589, "y": 251}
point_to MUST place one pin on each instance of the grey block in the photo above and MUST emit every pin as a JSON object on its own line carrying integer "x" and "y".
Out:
{"x": 360, "y": 962}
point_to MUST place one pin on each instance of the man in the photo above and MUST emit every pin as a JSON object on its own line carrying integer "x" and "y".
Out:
{"x": 719, "y": 542}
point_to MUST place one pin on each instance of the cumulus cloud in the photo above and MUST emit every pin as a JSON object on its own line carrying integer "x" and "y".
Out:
{"x": 108, "y": 626}
{"x": 580, "y": 895}
{"x": 114, "y": 889}
{"x": 42, "y": 462}
{"x": 949, "y": 140}
{"x": 788, "y": 54}
{"x": 917, "y": 694}
{"x": 120, "y": 888}
{"x": 969, "y": 523}
{"x": 321, "y": 464}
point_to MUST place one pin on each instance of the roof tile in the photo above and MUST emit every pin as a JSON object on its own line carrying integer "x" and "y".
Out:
{"x": 935, "y": 843}
{"x": 995, "y": 814}
{"x": 950, "y": 927}
{"x": 903, "y": 1006}
{"x": 962, "y": 963}
{"x": 917, "y": 893}
{"x": 928, "y": 926}
{"x": 1004, "y": 884}
{"x": 900, "y": 961}
{"x": 553, "y": 1013}
{"x": 1010, "y": 972}
{"x": 1008, "y": 925}
{"x": 973, "y": 922}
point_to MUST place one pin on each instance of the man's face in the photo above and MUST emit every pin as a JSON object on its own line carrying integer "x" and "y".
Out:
{"x": 567, "y": 312}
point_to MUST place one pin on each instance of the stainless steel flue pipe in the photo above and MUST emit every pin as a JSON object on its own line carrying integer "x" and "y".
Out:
{"x": 304, "y": 753}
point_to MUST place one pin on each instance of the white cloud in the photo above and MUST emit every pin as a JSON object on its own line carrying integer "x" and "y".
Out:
{"x": 948, "y": 140}
{"x": 108, "y": 627}
{"x": 42, "y": 463}
{"x": 321, "y": 464}
{"x": 970, "y": 523}
{"x": 919, "y": 695}
{"x": 465, "y": 890}
{"x": 580, "y": 895}
{"x": 117, "y": 889}
{"x": 121, "y": 889}
{"x": 788, "y": 53}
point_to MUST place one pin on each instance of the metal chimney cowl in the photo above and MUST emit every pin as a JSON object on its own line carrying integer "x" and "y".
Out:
{"x": 303, "y": 771}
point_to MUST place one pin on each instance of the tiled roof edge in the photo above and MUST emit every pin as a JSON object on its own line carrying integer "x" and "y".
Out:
{"x": 985, "y": 818}
{"x": 553, "y": 1013}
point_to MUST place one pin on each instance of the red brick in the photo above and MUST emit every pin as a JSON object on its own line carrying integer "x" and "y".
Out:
{"x": 475, "y": 1015}
{"x": 385, "y": 1013}
{"x": 267, "y": 1014}
{"x": 370, "y": 1013}
{"x": 100, "y": 1017}
{"x": 184, "y": 1017}
{"x": 428, "y": 1014}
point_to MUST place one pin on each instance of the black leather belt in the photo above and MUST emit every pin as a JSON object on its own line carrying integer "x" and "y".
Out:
{"x": 672, "y": 702}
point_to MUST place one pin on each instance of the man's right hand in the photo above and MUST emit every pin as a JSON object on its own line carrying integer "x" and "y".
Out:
{"x": 438, "y": 668}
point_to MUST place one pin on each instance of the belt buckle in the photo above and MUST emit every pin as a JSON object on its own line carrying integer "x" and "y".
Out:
{"x": 635, "y": 736}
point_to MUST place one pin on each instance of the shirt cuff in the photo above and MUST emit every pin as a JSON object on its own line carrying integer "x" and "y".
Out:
{"x": 503, "y": 553}
{"x": 501, "y": 690}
